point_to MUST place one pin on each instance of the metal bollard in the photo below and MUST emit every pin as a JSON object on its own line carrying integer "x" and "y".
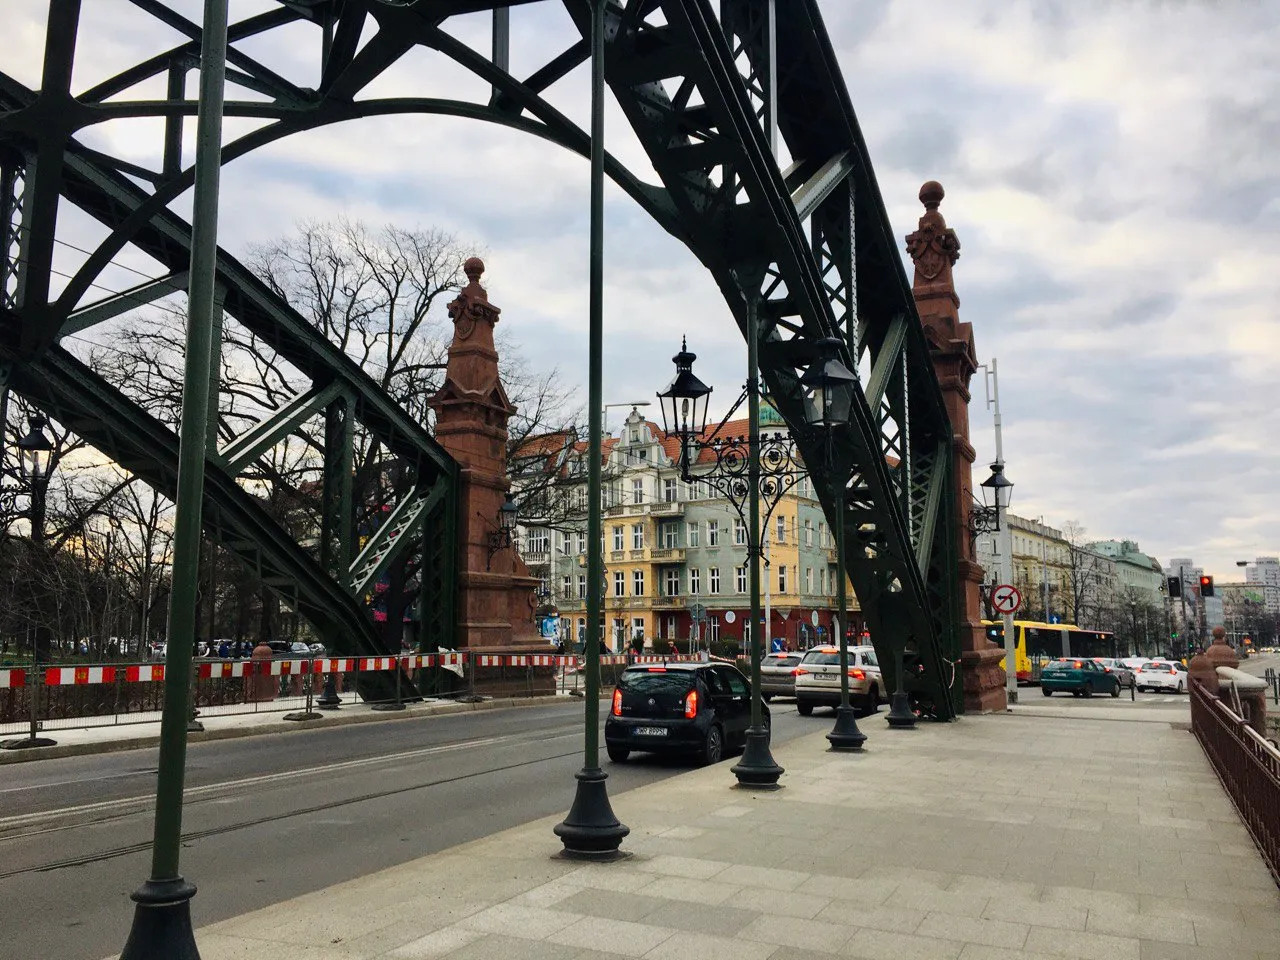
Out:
{"x": 329, "y": 699}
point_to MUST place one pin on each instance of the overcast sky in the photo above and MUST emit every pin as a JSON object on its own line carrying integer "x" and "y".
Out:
{"x": 1111, "y": 168}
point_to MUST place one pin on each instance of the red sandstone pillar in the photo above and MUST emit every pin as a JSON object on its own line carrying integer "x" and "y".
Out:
{"x": 496, "y": 595}
{"x": 934, "y": 248}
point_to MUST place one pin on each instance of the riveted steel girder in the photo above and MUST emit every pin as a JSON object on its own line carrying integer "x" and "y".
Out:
{"x": 715, "y": 93}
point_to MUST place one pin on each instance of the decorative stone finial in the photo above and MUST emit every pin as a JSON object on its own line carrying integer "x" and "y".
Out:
{"x": 473, "y": 268}
{"x": 1219, "y": 635}
{"x": 931, "y": 194}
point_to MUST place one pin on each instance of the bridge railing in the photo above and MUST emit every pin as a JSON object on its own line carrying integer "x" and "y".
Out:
{"x": 1247, "y": 765}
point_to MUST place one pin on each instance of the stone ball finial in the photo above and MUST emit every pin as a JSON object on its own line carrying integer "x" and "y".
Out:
{"x": 473, "y": 268}
{"x": 1219, "y": 635}
{"x": 931, "y": 194}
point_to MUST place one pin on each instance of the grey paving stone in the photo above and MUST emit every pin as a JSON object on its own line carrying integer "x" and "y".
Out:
{"x": 883, "y": 945}
{"x": 723, "y": 921}
{"x": 992, "y": 933}
{"x": 612, "y": 936}
{"x": 685, "y": 945}
{"x": 794, "y": 932}
{"x": 1082, "y": 944}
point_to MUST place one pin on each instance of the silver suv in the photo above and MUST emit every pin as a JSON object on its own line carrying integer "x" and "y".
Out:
{"x": 818, "y": 679}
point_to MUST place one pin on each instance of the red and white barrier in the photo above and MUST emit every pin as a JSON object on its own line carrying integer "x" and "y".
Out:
{"x": 147, "y": 672}
{"x": 12, "y": 678}
{"x": 78, "y": 676}
{"x": 236, "y": 668}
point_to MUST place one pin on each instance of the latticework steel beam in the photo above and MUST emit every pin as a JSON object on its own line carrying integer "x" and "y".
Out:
{"x": 716, "y": 93}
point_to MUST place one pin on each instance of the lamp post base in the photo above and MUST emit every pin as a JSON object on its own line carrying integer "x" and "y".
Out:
{"x": 162, "y": 922}
{"x": 591, "y": 831}
{"x": 329, "y": 699}
{"x": 757, "y": 768}
{"x": 303, "y": 715}
{"x": 901, "y": 716}
{"x": 845, "y": 735}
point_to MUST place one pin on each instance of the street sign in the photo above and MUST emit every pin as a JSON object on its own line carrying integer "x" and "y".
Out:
{"x": 1006, "y": 598}
{"x": 698, "y": 612}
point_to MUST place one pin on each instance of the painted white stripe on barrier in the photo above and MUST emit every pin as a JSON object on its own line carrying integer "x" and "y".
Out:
{"x": 12, "y": 678}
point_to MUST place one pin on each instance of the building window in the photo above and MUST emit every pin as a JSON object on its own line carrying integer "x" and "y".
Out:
{"x": 808, "y": 579}
{"x": 637, "y": 536}
{"x": 808, "y": 533}
{"x": 740, "y": 579}
{"x": 582, "y": 629}
{"x": 672, "y": 583}
{"x": 781, "y": 534}
{"x": 637, "y": 628}
{"x": 566, "y": 542}
{"x": 670, "y": 535}
{"x": 566, "y": 587}
{"x": 739, "y": 532}
{"x": 619, "y": 583}
{"x": 635, "y": 436}
{"x": 695, "y": 581}
{"x": 617, "y": 538}
{"x": 713, "y": 580}
{"x": 693, "y": 533}
{"x": 637, "y": 583}
{"x": 782, "y": 579}
{"x": 537, "y": 540}
{"x": 670, "y": 490}
{"x": 822, "y": 534}
{"x": 582, "y": 542}
{"x": 637, "y": 491}
{"x": 822, "y": 578}
{"x": 713, "y": 533}
{"x": 582, "y": 586}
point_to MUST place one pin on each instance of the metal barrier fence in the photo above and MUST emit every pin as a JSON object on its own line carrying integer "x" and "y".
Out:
{"x": 1247, "y": 765}
{"x": 56, "y": 697}
{"x": 1273, "y": 681}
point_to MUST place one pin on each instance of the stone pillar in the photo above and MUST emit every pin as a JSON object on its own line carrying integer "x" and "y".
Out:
{"x": 934, "y": 249}
{"x": 496, "y": 594}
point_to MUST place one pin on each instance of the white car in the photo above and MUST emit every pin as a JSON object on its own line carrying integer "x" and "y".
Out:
{"x": 818, "y": 679}
{"x": 1161, "y": 675}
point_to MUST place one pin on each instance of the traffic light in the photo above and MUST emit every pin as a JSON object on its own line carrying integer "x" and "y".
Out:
{"x": 1206, "y": 586}
{"x": 1175, "y": 586}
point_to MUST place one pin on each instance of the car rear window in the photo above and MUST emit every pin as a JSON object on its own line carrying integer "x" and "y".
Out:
{"x": 815, "y": 656}
{"x": 1058, "y": 665}
{"x": 782, "y": 660}
{"x": 656, "y": 681}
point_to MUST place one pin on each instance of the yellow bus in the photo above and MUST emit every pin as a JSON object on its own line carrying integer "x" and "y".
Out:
{"x": 1037, "y": 642}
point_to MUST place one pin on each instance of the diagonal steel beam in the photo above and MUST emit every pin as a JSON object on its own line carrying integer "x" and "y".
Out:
{"x": 263, "y": 436}
{"x": 391, "y": 539}
{"x": 886, "y": 361}
{"x": 124, "y": 301}
{"x": 939, "y": 477}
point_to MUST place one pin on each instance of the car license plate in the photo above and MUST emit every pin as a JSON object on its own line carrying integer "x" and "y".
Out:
{"x": 651, "y": 731}
{"x": 826, "y": 676}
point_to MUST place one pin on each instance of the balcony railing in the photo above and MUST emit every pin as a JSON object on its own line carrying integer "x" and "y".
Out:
{"x": 668, "y": 555}
{"x": 668, "y": 603}
{"x": 668, "y": 508}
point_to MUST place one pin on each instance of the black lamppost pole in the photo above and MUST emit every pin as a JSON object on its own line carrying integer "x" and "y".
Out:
{"x": 591, "y": 830}
{"x": 829, "y": 384}
{"x": 35, "y": 460}
{"x": 162, "y": 917}
{"x": 746, "y": 472}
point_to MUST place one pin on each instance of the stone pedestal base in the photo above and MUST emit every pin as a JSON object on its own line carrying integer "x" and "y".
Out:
{"x": 983, "y": 680}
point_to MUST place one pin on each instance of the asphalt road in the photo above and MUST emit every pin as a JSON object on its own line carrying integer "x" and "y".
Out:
{"x": 269, "y": 818}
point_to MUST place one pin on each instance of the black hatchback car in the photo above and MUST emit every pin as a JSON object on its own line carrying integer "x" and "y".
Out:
{"x": 700, "y": 709}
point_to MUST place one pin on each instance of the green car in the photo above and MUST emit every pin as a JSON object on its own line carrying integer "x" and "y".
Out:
{"x": 1082, "y": 677}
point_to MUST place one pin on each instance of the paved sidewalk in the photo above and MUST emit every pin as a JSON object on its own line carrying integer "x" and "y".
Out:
{"x": 993, "y": 838}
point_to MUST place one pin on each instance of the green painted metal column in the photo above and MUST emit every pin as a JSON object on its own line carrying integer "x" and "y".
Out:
{"x": 162, "y": 917}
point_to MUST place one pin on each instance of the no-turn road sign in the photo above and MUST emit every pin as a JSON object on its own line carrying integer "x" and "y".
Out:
{"x": 1006, "y": 598}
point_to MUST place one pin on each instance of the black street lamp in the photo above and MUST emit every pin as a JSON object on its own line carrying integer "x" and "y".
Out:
{"x": 35, "y": 459}
{"x": 504, "y": 536}
{"x": 748, "y": 471}
{"x": 828, "y": 383}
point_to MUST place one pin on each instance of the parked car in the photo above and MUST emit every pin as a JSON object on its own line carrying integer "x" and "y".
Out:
{"x": 1112, "y": 665}
{"x": 1161, "y": 675}
{"x": 1079, "y": 677}
{"x": 698, "y": 709}
{"x": 778, "y": 675}
{"x": 818, "y": 679}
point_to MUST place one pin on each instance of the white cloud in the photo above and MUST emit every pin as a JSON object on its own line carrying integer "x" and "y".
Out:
{"x": 1111, "y": 168}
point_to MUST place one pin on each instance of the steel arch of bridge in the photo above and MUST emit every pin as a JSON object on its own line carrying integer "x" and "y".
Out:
{"x": 709, "y": 90}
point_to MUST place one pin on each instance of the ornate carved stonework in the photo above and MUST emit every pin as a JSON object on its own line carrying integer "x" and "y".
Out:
{"x": 934, "y": 248}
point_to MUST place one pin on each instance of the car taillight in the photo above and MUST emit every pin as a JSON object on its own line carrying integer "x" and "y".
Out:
{"x": 799, "y": 672}
{"x": 617, "y": 703}
{"x": 857, "y": 674}
{"x": 691, "y": 704}
{"x": 1107, "y": 669}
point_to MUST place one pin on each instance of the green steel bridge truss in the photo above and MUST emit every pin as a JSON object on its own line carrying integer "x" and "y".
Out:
{"x": 714, "y": 93}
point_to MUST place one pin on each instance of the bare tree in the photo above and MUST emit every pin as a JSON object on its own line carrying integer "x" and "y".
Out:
{"x": 1088, "y": 583}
